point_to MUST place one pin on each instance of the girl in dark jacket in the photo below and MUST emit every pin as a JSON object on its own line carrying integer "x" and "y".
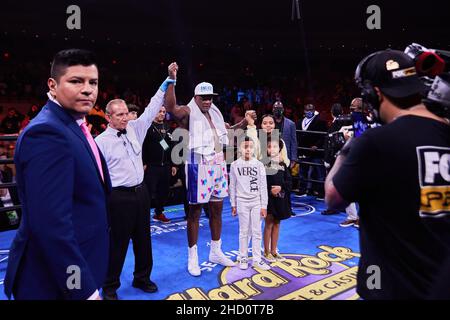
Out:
{"x": 279, "y": 184}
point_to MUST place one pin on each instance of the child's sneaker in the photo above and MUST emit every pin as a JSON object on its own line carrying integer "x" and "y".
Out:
{"x": 243, "y": 263}
{"x": 278, "y": 257}
{"x": 269, "y": 257}
{"x": 261, "y": 265}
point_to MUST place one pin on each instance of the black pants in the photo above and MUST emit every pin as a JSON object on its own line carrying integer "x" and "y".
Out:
{"x": 157, "y": 179}
{"x": 312, "y": 172}
{"x": 129, "y": 219}
{"x": 288, "y": 193}
{"x": 183, "y": 182}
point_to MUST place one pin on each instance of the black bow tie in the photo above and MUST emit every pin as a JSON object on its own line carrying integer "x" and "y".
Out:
{"x": 121, "y": 132}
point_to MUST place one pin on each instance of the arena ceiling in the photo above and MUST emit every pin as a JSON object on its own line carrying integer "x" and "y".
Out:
{"x": 214, "y": 23}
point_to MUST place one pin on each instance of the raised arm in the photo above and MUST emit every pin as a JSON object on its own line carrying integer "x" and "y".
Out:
{"x": 253, "y": 133}
{"x": 181, "y": 113}
{"x": 243, "y": 123}
{"x": 240, "y": 125}
{"x": 145, "y": 120}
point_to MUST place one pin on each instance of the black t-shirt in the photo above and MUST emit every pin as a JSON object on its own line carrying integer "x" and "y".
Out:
{"x": 280, "y": 125}
{"x": 394, "y": 172}
{"x": 153, "y": 153}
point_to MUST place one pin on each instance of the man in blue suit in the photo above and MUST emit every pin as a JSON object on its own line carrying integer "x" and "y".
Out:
{"x": 289, "y": 135}
{"x": 61, "y": 247}
{"x": 287, "y": 131}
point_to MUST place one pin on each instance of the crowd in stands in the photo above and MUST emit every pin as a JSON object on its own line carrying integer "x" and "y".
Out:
{"x": 233, "y": 102}
{"x": 23, "y": 82}
{"x": 239, "y": 87}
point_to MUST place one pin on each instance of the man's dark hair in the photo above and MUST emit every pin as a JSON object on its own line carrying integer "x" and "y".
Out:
{"x": 406, "y": 102}
{"x": 70, "y": 57}
{"x": 337, "y": 110}
{"x": 246, "y": 139}
{"x": 133, "y": 107}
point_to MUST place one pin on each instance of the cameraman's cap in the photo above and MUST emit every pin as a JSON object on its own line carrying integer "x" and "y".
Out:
{"x": 204, "y": 89}
{"x": 394, "y": 72}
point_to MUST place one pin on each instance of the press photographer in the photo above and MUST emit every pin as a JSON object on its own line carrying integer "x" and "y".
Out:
{"x": 398, "y": 173}
{"x": 341, "y": 129}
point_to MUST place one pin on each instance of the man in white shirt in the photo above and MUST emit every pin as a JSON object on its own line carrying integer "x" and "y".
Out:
{"x": 129, "y": 203}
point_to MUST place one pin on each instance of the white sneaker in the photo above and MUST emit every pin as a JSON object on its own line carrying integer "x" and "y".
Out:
{"x": 261, "y": 265}
{"x": 243, "y": 263}
{"x": 193, "y": 267}
{"x": 217, "y": 256}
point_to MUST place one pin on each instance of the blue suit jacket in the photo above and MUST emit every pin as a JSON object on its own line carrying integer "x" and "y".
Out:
{"x": 64, "y": 221}
{"x": 290, "y": 138}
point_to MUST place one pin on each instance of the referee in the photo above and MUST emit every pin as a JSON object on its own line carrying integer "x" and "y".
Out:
{"x": 129, "y": 202}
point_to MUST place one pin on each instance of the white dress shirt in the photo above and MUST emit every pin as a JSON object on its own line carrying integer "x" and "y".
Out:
{"x": 123, "y": 154}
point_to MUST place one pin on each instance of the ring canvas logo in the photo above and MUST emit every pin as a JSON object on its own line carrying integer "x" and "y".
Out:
{"x": 302, "y": 209}
{"x": 299, "y": 277}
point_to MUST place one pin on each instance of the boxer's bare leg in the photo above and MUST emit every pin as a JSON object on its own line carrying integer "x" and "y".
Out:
{"x": 215, "y": 219}
{"x": 193, "y": 218}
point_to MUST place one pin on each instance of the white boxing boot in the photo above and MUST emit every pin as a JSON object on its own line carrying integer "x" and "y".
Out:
{"x": 193, "y": 267}
{"x": 216, "y": 255}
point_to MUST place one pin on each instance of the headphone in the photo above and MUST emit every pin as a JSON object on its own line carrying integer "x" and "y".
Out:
{"x": 368, "y": 93}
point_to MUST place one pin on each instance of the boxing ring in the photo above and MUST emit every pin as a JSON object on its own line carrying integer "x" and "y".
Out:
{"x": 10, "y": 220}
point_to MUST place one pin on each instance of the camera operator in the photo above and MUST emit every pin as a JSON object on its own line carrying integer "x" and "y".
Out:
{"x": 335, "y": 140}
{"x": 398, "y": 173}
{"x": 438, "y": 102}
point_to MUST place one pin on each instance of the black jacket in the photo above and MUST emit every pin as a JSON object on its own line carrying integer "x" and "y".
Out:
{"x": 307, "y": 140}
{"x": 152, "y": 151}
{"x": 279, "y": 207}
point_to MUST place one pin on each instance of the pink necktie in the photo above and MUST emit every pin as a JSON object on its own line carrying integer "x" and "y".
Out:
{"x": 94, "y": 147}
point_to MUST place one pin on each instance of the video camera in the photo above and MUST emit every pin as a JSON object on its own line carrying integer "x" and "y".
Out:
{"x": 355, "y": 122}
{"x": 433, "y": 66}
{"x": 429, "y": 62}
